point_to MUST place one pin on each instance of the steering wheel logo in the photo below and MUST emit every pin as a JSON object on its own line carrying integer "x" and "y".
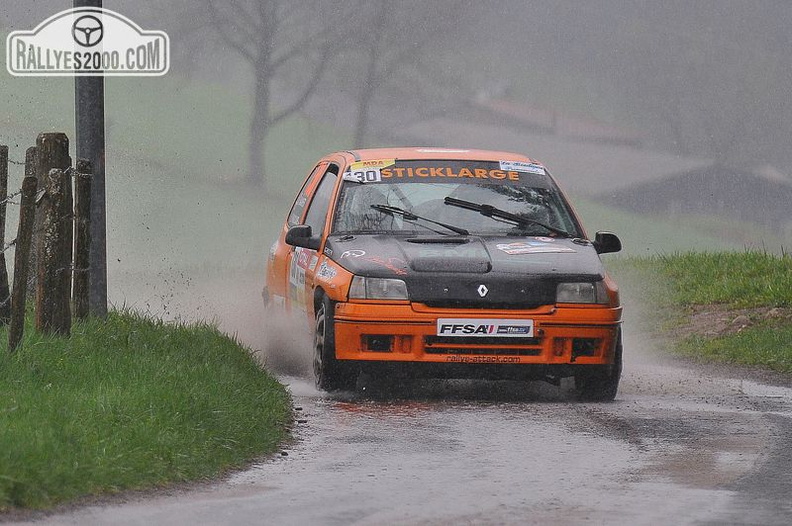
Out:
{"x": 88, "y": 31}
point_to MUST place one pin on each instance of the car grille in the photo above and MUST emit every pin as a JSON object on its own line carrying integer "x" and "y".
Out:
{"x": 503, "y": 293}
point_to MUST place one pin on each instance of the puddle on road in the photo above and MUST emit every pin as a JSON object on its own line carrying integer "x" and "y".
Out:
{"x": 433, "y": 458}
{"x": 673, "y": 445}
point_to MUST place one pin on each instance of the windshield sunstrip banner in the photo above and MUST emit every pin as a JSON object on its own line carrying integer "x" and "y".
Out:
{"x": 390, "y": 170}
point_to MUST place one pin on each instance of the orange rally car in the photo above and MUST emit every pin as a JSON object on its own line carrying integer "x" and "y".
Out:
{"x": 441, "y": 263}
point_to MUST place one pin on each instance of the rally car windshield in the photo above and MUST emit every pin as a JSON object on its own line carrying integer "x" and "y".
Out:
{"x": 386, "y": 203}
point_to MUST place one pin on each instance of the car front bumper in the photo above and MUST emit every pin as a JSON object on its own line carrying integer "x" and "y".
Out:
{"x": 568, "y": 334}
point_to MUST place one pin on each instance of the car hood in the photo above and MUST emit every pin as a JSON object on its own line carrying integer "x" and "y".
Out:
{"x": 450, "y": 270}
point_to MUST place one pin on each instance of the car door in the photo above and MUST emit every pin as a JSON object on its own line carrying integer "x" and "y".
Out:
{"x": 281, "y": 255}
{"x": 304, "y": 261}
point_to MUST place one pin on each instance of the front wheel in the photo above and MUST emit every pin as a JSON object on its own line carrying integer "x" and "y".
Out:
{"x": 599, "y": 383}
{"x": 330, "y": 374}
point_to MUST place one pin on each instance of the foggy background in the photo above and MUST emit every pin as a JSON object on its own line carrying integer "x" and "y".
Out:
{"x": 667, "y": 122}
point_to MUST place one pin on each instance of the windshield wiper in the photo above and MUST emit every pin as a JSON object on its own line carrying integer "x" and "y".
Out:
{"x": 491, "y": 211}
{"x": 409, "y": 216}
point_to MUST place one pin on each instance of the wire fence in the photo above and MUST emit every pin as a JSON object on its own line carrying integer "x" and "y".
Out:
{"x": 52, "y": 242}
{"x": 8, "y": 201}
{"x": 8, "y": 246}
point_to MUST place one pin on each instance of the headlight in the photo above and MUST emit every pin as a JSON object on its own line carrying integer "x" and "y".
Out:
{"x": 582, "y": 293}
{"x": 363, "y": 288}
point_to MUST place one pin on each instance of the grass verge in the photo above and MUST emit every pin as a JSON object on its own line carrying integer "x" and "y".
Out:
{"x": 737, "y": 279}
{"x": 751, "y": 291}
{"x": 130, "y": 403}
{"x": 763, "y": 346}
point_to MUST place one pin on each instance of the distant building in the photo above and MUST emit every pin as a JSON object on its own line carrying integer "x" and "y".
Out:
{"x": 549, "y": 120}
{"x": 761, "y": 196}
{"x": 608, "y": 168}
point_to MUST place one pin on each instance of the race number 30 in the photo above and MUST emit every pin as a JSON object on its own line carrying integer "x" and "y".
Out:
{"x": 368, "y": 175}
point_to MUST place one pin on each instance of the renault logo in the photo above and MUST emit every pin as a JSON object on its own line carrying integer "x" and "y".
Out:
{"x": 482, "y": 290}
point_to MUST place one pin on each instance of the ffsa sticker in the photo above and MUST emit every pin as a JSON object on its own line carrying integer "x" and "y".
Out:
{"x": 367, "y": 171}
{"x": 487, "y": 328}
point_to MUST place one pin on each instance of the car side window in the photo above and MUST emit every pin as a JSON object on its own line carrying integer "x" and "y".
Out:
{"x": 296, "y": 212}
{"x": 317, "y": 211}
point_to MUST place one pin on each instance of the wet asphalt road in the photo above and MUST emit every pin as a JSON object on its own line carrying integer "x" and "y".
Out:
{"x": 678, "y": 446}
{"x": 675, "y": 448}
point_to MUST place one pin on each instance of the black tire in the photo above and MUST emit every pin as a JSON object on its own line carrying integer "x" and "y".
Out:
{"x": 599, "y": 383}
{"x": 330, "y": 374}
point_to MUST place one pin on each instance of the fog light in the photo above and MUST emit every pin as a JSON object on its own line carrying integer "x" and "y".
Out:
{"x": 584, "y": 347}
{"x": 379, "y": 343}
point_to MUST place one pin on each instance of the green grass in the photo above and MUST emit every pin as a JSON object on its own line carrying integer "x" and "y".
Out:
{"x": 735, "y": 280}
{"x": 130, "y": 403}
{"x": 764, "y": 346}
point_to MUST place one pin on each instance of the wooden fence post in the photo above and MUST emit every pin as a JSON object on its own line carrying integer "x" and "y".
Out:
{"x": 82, "y": 237}
{"x": 52, "y": 151}
{"x": 21, "y": 256}
{"x": 5, "y": 295}
{"x": 51, "y": 317}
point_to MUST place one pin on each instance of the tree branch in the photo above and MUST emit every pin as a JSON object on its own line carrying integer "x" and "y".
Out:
{"x": 296, "y": 50}
{"x": 313, "y": 84}
{"x": 227, "y": 30}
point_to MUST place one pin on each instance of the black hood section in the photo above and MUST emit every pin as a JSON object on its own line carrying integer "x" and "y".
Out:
{"x": 471, "y": 271}
{"x": 462, "y": 255}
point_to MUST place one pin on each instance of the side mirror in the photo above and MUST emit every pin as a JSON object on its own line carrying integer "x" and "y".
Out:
{"x": 300, "y": 236}
{"x": 606, "y": 242}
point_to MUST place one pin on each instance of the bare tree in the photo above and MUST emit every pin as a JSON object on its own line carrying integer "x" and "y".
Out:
{"x": 396, "y": 36}
{"x": 274, "y": 37}
{"x": 374, "y": 48}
